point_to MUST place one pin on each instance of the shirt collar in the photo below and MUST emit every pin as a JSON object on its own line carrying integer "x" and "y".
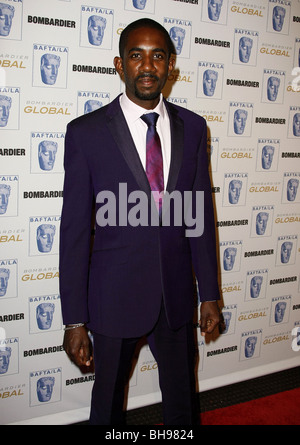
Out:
{"x": 133, "y": 111}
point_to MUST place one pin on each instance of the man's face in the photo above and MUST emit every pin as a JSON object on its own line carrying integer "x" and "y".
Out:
{"x": 145, "y": 66}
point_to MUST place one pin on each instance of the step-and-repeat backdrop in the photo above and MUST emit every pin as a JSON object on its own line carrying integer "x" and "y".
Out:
{"x": 238, "y": 67}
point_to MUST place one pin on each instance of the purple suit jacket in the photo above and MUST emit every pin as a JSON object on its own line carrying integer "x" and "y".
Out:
{"x": 118, "y": 289}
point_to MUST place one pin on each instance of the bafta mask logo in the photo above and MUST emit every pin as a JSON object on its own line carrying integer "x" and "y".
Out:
{"x": 229, "y": 258}
{"x": 4, "y": 277}
{"x": 267, "y": 155}
{"x": 45, "y": 237}
{"x": 96, "y": 28}
{"x": 296, "y": 124}
{"x": 255, "y": 286}
{"x": 50, "y": 64}
{"x": 261, "y": 223}
{"x": 285, "y": 251}
{"x": 177, "y": 35}
{"x": 279, "y": 311}
{"x": 226, "y": 318}
{"x": 210, "y": 150}
{"x": 234, "y": 191}
{"x": 44, "y": 388}
{"x": 7, "y": 13}
{"x": 4, "y": 198}
{"x": 239, "y": 121}
{"x": 292, "y": 188}
{"x": 250, "y": 344}
{"x": 44, "y": 315}
{"x": 210, "y": 78}
{"x": 139, "y": 4}
{"x": 92, "y": 105}
{"x": 273, "y": 85}
{"x": 5, "y": 354}
{"x": 46, "y": 154}
{"x": 245, "y": 47}
{"x": 5, "y": 106}
{"x": 278, "y": 18}
{"x": 214, "y": 9}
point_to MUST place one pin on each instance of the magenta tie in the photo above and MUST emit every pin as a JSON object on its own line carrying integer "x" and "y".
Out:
{"x": 154, "y": 161}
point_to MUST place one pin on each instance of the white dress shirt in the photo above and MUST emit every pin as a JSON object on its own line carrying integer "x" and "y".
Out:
{"x": 138, "y": 129}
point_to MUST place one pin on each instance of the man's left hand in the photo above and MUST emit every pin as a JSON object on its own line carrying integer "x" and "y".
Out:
{"x": 210, "y": 317}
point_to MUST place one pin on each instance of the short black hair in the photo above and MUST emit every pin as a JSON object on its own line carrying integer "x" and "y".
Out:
{"x": 145, "y": 23}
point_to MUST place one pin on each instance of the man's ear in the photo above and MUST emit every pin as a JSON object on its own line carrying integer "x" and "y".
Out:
{"x": 118, "y": 63}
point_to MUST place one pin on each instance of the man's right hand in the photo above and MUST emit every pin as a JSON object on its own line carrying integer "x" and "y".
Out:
{"x": 78, "y": 347}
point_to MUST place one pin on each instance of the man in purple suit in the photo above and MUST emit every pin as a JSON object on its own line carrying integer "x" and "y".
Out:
{"x": 139, "y": 280}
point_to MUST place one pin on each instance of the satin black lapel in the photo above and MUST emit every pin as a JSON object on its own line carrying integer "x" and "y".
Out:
{"x": 121, "y": 134}
{"x": 177, "y": 143}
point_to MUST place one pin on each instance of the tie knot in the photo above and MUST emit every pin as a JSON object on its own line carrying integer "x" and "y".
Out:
{"x": 150, "y": 119}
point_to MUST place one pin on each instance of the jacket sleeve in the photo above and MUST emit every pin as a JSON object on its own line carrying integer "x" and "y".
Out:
{"x": 75, "y": 231}
{"x": 203, "y": 247}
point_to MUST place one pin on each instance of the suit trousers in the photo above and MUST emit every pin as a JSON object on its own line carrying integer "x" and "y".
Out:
{"x": 175, "y": 355}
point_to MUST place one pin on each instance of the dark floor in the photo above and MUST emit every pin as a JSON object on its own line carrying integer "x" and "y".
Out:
{"x": 226, "y": 396}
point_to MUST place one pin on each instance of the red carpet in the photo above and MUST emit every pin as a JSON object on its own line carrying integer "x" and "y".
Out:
{"x": 278, "y": 409}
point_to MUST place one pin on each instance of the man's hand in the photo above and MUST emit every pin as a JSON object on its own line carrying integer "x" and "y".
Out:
{"x": 210, "y": 317}
{"x": 78, "y": 346}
